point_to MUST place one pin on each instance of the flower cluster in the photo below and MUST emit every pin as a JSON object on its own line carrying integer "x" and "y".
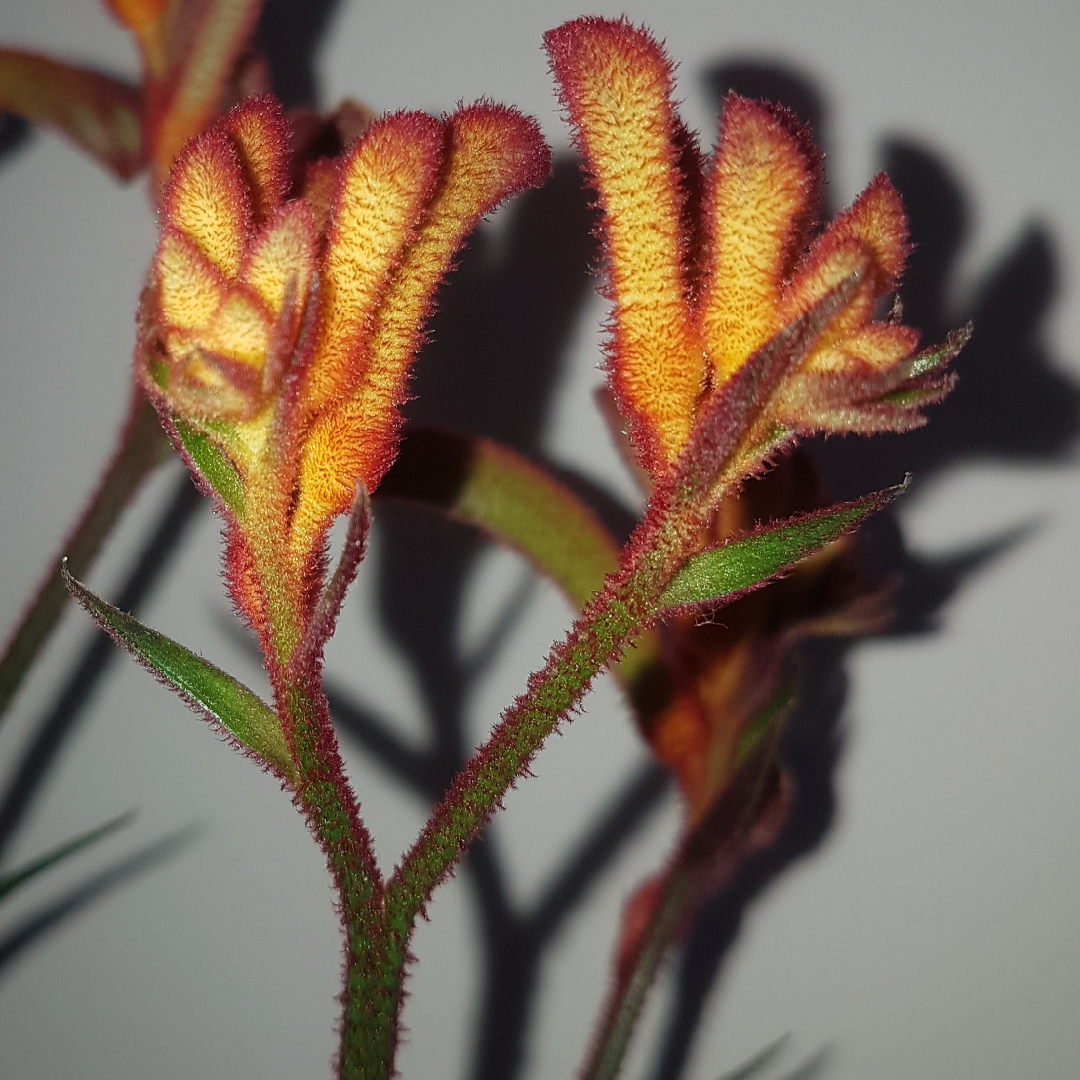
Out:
{"x": 709, "y": 261}
{"x": 278, "y": 325}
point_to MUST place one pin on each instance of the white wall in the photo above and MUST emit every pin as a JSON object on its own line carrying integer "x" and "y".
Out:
{"x": 932, "y": 934}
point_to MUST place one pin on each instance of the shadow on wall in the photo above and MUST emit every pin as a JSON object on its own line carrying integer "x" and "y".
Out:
{"x": 1010, "y": 404}
{"x": 490, "y": 368}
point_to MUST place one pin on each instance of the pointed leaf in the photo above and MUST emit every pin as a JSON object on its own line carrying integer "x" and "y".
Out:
{"x": 206, "y": 688}
{"x": 214, "y": 466}
{"x": 727, "y": 413}
{"x": 721, "y": 574}
{"x": 481, "y": 483}
{"x": 101, "y": 114}
{"x": 17, "y": 878}
{"x": 324, "y": 618}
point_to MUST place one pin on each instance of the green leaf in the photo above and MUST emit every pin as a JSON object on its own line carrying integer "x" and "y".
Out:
{"x": 214, "y": 466}
{"x": 14, "y": 880}
{"x": 208, "y": 689}
{"x": 519, "y": 505}
{"x": 101, "y": 114}
{"x": 721, "y": 574}
{"x": 480, "y": 483}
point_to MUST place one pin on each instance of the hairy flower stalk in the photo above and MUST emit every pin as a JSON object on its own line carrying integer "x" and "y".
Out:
{"x": 708, "y": 261}
{"x": 283, "y": 309}
{"x": 733, "y": 332}
{"x": 276, "y": 333}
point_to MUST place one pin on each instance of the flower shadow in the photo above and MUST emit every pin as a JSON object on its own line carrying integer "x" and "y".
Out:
{"x": 1011, "y": 404}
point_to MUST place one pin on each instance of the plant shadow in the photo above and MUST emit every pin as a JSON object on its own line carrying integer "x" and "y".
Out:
{"x": 491, "y": 369}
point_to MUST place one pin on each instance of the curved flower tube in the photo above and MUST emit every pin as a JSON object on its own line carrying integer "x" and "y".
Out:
{"x": 708, "y": 261}
{"x": 277, "y": 331}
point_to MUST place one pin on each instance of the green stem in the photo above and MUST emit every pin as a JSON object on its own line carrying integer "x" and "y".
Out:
{"x": 142, "y": 446}
{"x": 610, "y": 623}
{"x": 373, "y": 971}
{"x": 625, "y": 1007}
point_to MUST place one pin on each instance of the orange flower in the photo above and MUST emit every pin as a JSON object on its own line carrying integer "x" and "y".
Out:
{"x": 707, "y": 263}
{"x": 278, "y": 332}
{"x": 705, "y": 267}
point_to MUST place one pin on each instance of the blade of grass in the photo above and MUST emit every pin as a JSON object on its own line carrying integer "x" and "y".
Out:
{"x": 17, "y": 878}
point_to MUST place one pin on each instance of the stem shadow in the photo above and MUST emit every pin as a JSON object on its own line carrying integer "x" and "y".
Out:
{"x": 1012, "y": 403}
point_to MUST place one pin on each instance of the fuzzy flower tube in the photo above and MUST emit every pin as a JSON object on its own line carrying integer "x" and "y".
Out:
{"x": 285, "y": 304}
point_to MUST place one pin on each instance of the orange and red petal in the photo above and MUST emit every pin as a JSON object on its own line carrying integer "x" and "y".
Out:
{"x": 876, "y": 223}
{"x": 386, "y": 183}
{"x": 191, "y": 289}
{"x": 615, "y": 83}
{"x": 241, "y": 330}
{"x": 282, "y": 257}
{"x": 823, "y": 271}
{"x": 762, "y": 196}
{"x": 492, "y": 153}
{"x": 345, "y": 445}
{"x": 207, "y": 199}
{"x": 261, "y": 136}
{"x": 879, "y": 346}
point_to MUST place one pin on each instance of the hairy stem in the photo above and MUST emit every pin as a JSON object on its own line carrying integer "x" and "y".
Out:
{"x": 625, "y": 1007}
{"x": 142, "y": 446}
{"x": 609, "y": 623}
{"x": 372, "y": 990}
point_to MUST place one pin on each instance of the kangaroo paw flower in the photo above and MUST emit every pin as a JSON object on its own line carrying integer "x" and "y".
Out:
{"x": 705, "y": 270}
{"x": 277, "y": 332}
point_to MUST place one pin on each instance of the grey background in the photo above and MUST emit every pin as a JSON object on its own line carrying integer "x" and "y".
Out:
{"x": 932, "y": 933}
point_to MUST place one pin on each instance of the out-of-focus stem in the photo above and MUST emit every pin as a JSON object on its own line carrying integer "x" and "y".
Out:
{"x": 625, "y": 1006}
{"x": 143, "y": 446}
{"x": 707, "y": 856}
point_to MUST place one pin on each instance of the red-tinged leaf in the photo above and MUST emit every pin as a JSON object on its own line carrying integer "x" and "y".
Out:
{"x": 814, "y": 399}
{"x": 251, "y": 723}
{"x": 489, "y": 486}
{"x": 722, "y": 574}
{"x": 934, "y": 359}
{"x": 323, "y": 619}
{"x": 725, "y": 416}
{"x": 99, "y": 113}
{"x": 615, "y": 82}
